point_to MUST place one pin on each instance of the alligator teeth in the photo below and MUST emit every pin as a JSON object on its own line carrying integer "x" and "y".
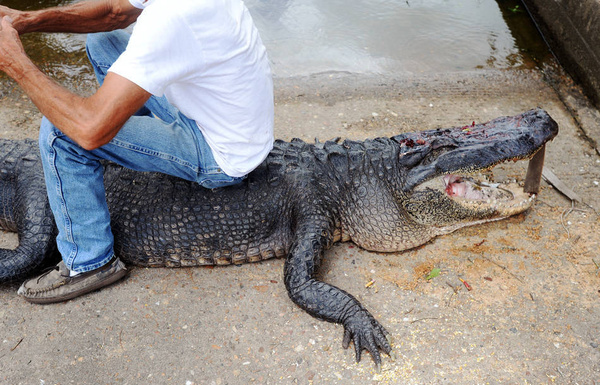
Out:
{"x": 492, "y": 185}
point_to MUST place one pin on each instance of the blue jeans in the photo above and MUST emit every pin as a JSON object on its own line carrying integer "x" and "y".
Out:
{"x": 157, "y": 138}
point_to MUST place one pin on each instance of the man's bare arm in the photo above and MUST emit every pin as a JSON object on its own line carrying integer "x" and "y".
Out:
{"x": 82, "y": 17}
{"x": 90, "y": 121}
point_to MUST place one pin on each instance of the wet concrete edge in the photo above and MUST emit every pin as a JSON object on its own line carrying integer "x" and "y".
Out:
{"x": 572, "y": 30}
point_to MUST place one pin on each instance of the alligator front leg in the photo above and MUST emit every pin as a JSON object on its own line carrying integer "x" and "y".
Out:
{"x": 330, "y": 303}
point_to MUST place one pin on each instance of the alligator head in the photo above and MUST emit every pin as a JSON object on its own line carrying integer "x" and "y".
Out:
{"x": 439, "y": 189}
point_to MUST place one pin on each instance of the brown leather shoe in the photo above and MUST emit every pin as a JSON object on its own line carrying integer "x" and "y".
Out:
{"x": 57, "y": 285}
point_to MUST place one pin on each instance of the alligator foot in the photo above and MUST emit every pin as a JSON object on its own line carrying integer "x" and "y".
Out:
{"x": 329, "y": 303}
{"x": 367, "y": 333}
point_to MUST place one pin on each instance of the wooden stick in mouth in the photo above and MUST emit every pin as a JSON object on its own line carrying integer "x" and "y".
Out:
{"x": 534, "y": 172}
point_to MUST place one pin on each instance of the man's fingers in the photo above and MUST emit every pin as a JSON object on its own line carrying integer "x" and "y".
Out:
{"x": 7, "y": 19}
{"x": 6, "y": 22}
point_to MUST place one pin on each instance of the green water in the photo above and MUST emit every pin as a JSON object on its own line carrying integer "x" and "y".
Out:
{"x": 369, "y": 36}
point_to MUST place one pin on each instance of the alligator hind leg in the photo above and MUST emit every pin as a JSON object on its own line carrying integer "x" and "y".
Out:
{"x": 327, "y": 302}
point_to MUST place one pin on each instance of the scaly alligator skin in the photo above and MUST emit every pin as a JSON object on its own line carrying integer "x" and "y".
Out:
{"x": 386, "y": 194}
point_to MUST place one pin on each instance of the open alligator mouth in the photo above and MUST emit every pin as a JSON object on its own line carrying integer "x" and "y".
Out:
{"x": 457, "y": 201}
{"x": 507, "y": 198}
{"x": 444, "y": 166}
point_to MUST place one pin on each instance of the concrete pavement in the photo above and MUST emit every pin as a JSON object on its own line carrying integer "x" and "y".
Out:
{"x": 531, "y": 316}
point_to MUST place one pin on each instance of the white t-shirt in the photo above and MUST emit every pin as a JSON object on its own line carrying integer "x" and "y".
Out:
{"x": 207, "y": 58}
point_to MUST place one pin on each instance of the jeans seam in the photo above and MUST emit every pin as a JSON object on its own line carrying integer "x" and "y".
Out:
{"x": 63, "y": 206}
{"x": 154, "y": 153}
{"x": 167, "y": 112}
{"x": 103, "y": 66}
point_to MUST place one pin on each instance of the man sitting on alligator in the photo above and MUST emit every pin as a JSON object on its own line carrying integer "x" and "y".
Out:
{"x": 386, "y": 194}
{"x": 189, "y": 93}
{"x": 211, "y": 129}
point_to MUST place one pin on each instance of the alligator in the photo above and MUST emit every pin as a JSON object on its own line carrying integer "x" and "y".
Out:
{"x": 384, "y": 194}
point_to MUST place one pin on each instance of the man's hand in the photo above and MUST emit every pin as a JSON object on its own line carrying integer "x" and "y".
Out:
{"x": 12, "y": 13}
{"x": 90, "y": 121}
{"x": 11, "y": 49}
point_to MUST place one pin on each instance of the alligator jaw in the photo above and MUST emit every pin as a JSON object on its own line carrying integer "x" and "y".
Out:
{"x": 505, "y": 199}
{"x": 458, "y": 201}
{"x": 440, "y": 194}
{"x": 474, "y": 148}
{"x": 501, "y": 199}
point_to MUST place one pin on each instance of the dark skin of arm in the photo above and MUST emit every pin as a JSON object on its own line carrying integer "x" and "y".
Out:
{"x": 90, "y": 121}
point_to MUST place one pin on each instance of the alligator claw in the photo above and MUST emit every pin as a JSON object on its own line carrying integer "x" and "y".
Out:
{"x": 367, "y": 333}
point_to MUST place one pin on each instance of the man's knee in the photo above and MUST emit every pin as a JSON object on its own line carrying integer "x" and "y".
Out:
{"x": 95, "y": 41}
{"x": 106, "y": 46}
